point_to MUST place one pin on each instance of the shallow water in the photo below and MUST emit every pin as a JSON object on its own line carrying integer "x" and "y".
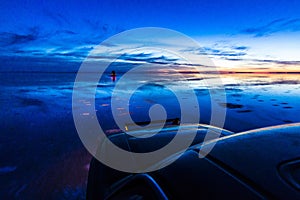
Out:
{"x": 42, "y": 156}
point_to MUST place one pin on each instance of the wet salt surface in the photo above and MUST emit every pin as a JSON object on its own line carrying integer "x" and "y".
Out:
{"x": 260, "y": 106}
{"x": 7, "y": 169}
{"x": 42, "y": 156}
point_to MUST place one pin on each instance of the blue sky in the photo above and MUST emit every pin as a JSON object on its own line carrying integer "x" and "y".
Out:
{"x": 58, "y": 35}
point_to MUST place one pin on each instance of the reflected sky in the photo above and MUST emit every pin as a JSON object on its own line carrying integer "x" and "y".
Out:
{"x": 246, "y": 94}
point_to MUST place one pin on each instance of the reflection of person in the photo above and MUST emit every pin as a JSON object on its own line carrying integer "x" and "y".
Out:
{"x": 113, "y": 75}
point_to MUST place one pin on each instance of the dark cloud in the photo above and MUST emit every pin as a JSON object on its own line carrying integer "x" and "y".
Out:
{"x": 240, "y": 47}
{"x": 274, "y": 26}
{"x": 283, "y": 62}
{"x": 280, "y": 62}
{"x": 9, "y": 38}
{"x": 290, "y": 22}
{"x": 57, "y": 44}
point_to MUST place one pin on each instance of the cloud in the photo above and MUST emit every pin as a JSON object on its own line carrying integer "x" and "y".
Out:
{"x": 61, "y": 43}
{"x": 220, "y": 51}
{"x": 50, "y": 36}
{"x": 64, "y": 32}
{"x": 274, "y": 26}
{"x": 240, "y": 47}
{"x": 147, "y": 58}
{"x": 10, "y": 38}
{"x": 279, "y": 62}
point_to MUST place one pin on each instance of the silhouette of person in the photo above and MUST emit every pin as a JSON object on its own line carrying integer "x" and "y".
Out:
{"x": 113, "y": 76}
{"x": 176, "y": 121}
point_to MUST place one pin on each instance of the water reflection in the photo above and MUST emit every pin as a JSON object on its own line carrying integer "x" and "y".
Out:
{"x": 36, "y": 111}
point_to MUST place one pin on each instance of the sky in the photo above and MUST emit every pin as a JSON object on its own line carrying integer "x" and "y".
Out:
{"x": 236, "y": 35}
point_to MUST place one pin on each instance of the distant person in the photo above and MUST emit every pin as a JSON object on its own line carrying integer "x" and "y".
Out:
{"x": 113, "y": 76}
{"x": 176, "y": 121}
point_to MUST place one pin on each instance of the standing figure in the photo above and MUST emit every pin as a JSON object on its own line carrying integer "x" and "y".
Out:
{"x": 113, "y": 76}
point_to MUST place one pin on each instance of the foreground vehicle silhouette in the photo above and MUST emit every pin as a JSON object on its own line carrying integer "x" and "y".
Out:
{"x": 258, "y": 164}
